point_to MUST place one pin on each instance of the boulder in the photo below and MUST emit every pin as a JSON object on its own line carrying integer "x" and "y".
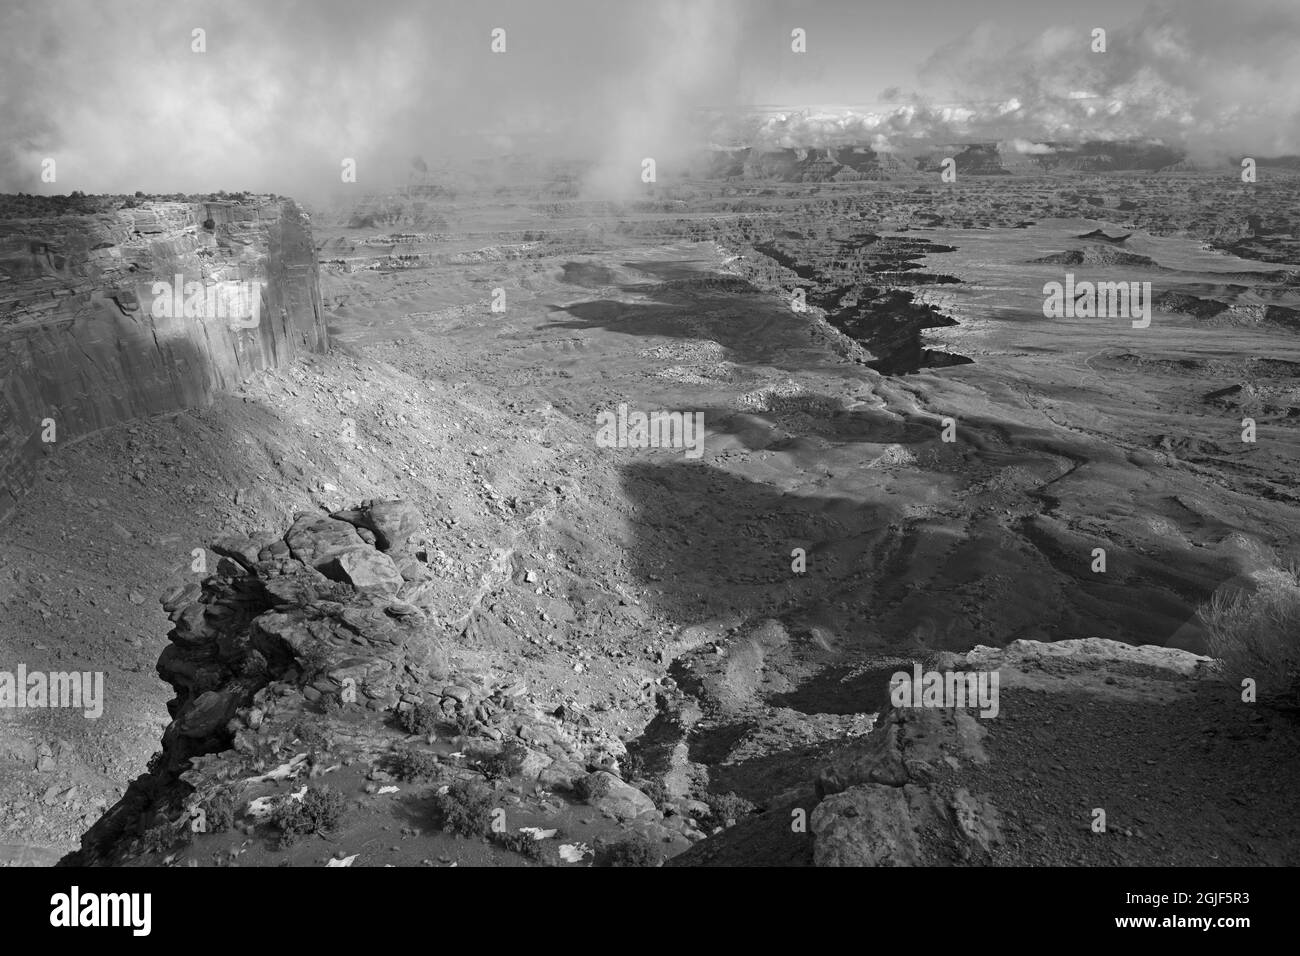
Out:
{"x": 209, "y": 712}
{"x": 391, "y": 522}
{"x": 870, "y": 825}
{"x": 610, "y": 795}
{"x": 316, "y": 540}
{"x": 365, "y": 570}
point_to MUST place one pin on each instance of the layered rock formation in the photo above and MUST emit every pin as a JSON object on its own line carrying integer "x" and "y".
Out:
{"x": 282, "y": 623}
{"x": 918, "y": 790}
{"x": 303, "y": 649}
{"x": 83, "y": 345}
{"x": 812, "y": 164}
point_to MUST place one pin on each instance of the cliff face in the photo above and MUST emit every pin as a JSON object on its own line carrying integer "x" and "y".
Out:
{"x": 812, "y": 164}
{"x": 84, "y": 343}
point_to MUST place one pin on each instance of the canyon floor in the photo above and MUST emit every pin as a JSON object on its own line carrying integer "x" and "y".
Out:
{"x": 944, "y": 509}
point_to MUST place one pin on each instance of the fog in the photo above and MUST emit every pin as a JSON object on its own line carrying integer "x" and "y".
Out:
{"x": 117, "y": 97}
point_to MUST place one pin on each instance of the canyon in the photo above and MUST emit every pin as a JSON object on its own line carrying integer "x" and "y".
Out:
{"x": 631, "y": 615}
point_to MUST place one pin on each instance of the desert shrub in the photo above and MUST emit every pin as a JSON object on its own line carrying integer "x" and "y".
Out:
{"x": 314, "y": 658}
{"x": 1257, "y": 635}
{"x": 632, "y": 766}
{"x": 163, "y": 836}
{"x": 539, "y": 851}
{"x": 310, "y": 736}
{"x": 632, "y": 850}
{"x": 421, "y": 719}
{"x": 465, "y": 723}
{"x": 319, "y": 811}
{"x": 466, "y": 808}
{"x": 727, "y": 809}
{"x": 591, "y": 787}
{"x": 654, "y": 788}
{"x": 219, "y": 810}
{"x": 413, "y": 765}
{"x": 507, "y": 763}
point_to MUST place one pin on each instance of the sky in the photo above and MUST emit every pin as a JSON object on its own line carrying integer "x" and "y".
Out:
{"x": 117, "y": 94}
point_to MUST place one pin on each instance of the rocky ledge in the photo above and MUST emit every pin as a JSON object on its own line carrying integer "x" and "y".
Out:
{"x": 1099, "y": 754}
{"x": 319, "y": 652}
{"x": 316, "y": 661}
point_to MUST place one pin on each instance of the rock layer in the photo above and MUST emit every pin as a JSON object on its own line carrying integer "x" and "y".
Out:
{"x": 267, "y": 634}
{"x": 81, "y": 346}
{"x": 281, "y": 671}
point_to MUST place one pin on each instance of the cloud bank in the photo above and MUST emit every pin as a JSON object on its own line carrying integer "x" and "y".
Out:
{"x": 1217, "y": 80}
{"x": 286, "y": 91}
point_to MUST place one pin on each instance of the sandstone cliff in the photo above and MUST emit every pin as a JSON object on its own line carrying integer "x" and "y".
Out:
{"x": 82, "y": 345}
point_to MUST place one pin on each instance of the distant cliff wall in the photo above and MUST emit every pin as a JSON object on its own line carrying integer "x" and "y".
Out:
{"x": 82, "y": 343}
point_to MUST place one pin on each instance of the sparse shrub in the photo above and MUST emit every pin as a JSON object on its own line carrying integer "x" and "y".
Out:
{"x": 311, "y": 736}
{"x": 421, "y": 719}
{"x": 654, "y": 788}
{"x": 632, "y": 765}
{"x": 507, "y": 763}
{"x": 727, "y": 809}
{"x": 318, "y": 811}
{"x": 591, "y": 787}
{"x": 219, "y": 810}
{"x": 539, "y": 851}
{"x": 466, "y": 808}
{"x": 465, "y": 723}
{"x": 633, "y": 850}
{"x": 314, "y": 659}
{"x": 162, "y": 837}
{"x": 1257, "y": 635}
{"x": 413, "y": 765}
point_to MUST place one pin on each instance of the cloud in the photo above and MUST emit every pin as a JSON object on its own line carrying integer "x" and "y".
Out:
{"x": 287, "y": 90}
{"x": 1196, "y": 73}
{"x": 1214, "y": 80}
{"x": 1025, "y": 148}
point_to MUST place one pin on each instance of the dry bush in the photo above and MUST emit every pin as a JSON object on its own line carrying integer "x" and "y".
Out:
{"x": 1257, "y": 635}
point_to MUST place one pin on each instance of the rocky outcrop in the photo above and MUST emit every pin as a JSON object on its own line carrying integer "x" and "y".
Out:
{"x": 85, "y": 343}
{"x": 812, "y": 165}
{"x": 270, "y": 635}
{"x": 972, "y": 159}
{"x": 883, "y": 803}
{"x": 922, "y": 790}
{"x": 816, "y": 164}
{"x": 323, "y": 649}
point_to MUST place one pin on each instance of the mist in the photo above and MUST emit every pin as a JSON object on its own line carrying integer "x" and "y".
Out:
{"x": 1218, "y": 82}
{"x": 284, "y": 93}
{"x": 116, "y": 95}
